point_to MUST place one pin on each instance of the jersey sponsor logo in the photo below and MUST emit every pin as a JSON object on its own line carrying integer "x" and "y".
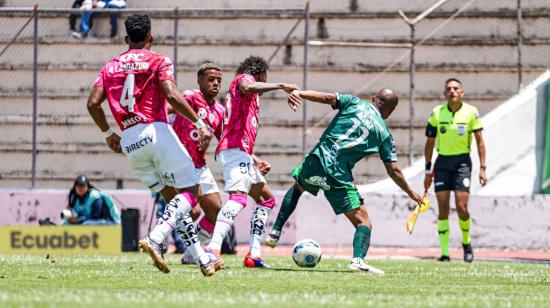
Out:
{"x": 131, "y": 121}
{"x": 131, "y": 57}
{"x": 139, "y": 144}
{"x": 318, "y": 181}
{"x": 202, "y": 113}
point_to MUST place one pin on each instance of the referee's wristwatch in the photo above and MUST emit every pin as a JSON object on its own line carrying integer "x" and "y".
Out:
{"x": 484, "y": 167}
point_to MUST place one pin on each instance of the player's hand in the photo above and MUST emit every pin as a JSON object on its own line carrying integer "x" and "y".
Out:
{"x": 204, "y": 138}
{"x": 416, "y": 198}
{"x": 113, "y": 142}
{"x": 289, "y": 87}
{"x": 263, "y": 166}
{"x": 482, "y": 177}
{"x": 428, "y": 181}
{"x": 294, "y": 100}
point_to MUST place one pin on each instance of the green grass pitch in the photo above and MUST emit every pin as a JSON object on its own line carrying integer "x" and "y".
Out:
{"x": 130, "y": 279}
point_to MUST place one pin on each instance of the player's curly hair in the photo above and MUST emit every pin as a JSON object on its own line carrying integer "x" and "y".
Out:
{"x": 138, "y": 27}
{"x": 253, "y": 65}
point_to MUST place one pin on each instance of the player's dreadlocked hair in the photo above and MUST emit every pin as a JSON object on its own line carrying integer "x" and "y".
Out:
{"x": 208, "y": 66}
{"x": 138, "y": 27}
{"x": 252, "y": 65}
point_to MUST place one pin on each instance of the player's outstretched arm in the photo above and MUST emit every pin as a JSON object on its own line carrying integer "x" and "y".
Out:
{"x": 315, "y": 96}
{"x": 96, "y": 98}
{"x": 395, "y": 173}
{"x": 249, "y": 87}
{"x": 181, "y": 106}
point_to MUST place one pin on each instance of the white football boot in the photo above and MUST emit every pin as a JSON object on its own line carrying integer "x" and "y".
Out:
{"x": 359, "y": 265}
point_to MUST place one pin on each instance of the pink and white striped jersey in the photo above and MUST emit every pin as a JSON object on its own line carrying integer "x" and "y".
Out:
{"x": 212, "y": 115}
{"x": 132, "y": 86}
{"x": 241, "y": 118}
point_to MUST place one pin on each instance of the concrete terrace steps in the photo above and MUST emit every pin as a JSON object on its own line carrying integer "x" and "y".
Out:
{"x": 334, "y": 26}
{"x": 273, "y": 109}
{"x": 456, "y": 57}
{"x": 477, "y": 81}
{"x": 478, "y": 48}
{"x": 317, "y": 5}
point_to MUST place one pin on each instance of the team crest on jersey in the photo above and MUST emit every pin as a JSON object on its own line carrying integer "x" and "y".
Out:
{"x": 211, "y": 118}
{"x": 318, "y": 181}
{"x": 202, "y": 113}
{"x": 254, "y": 122}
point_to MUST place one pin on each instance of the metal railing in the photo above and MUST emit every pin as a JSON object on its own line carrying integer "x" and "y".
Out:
{"x": 44, "y": 26}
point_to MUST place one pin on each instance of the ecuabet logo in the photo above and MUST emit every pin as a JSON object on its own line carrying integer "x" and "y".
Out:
{"x": 66, "y": 240}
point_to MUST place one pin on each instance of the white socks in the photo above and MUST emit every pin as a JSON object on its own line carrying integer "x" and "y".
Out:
{"x": 258, "y": 224}
{"x": 186, "y": 230}
{"x": 175, "y": 210}
{"x": 226, "y": 218}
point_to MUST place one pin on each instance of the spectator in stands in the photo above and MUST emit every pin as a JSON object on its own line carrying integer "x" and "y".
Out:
{"x": 89, "y": 206}
{"x": 73, "y": 16}
{"x": 86, "y": 6}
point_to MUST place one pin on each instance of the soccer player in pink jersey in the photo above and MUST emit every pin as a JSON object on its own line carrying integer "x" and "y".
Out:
{"x": 204, "y": 103}
{"x": 137, "y": 85}
{"x": 234, "y": 154}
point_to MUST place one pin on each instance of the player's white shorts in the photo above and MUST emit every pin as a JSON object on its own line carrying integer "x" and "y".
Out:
{"x": 157, "y": 156}
{"x": 207, "y": 181}
{"x": 239, "y": 172}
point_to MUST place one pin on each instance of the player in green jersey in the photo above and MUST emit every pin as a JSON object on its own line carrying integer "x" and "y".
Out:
{"x": 452, "y": 125}
{"x": 358, "y": 130}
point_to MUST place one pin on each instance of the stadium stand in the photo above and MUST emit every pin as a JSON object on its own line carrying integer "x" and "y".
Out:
{"x": 479, "y": 48}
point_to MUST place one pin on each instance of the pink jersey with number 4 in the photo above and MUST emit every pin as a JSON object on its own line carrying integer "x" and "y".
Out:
{"x": 132, "y": 85}
{"x": 212, "y": 115}
{"x": 241, "y": 118}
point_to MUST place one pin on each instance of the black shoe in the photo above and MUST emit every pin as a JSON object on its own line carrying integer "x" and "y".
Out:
{"x": 444, "y": 259}
{"x": 468, "y": 253}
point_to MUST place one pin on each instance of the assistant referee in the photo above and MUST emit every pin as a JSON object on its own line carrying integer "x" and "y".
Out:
{"x": 452, "y": 124}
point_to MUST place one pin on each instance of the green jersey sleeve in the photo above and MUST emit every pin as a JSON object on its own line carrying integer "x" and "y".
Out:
{"x": 475, "y": 121}
{"x": 387, "y": 150}
{"x": 344, "y": 100}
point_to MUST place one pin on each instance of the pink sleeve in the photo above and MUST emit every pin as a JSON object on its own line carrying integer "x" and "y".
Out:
{"x": 166, "y": 70}
{"x": 98, "y": 83}
{"x": 248, "y": 78}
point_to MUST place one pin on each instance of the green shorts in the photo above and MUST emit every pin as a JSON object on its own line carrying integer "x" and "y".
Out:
{"x": 311, "y": 176}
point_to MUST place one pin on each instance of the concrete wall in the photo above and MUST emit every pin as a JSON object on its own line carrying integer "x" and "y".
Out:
{"x": 478, "y": 47}
{"x": 513, "y": 222}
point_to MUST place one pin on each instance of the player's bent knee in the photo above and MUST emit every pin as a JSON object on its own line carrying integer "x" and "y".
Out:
{"x": 239, "y": 198}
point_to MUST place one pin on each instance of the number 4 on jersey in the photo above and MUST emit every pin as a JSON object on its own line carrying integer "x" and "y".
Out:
{"x": 127, "y": 99}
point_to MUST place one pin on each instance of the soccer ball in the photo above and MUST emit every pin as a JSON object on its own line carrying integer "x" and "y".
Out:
{"x": 306, "y": 253}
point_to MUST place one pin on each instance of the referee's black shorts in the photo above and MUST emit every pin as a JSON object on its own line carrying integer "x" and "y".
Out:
{"x": 453, "y": 173}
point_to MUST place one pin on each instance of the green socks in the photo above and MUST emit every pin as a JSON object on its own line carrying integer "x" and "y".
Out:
{"x": 465, "y": 227}
{"x": 361, "y": 242}
{"x": 443, "y": 230}
{"x": 287, "y": 208}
